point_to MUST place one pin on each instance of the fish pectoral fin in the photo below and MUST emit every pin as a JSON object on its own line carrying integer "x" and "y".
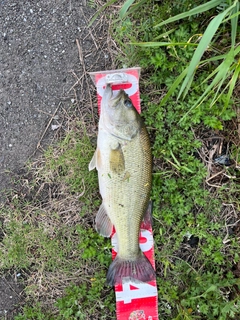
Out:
{"x": 116, "y": 159}
{"x": 103, "y": 225}
{"x": 96, "y": 160}
{"x": 93, "y": 163}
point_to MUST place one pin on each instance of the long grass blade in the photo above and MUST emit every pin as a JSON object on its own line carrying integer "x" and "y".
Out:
{"x": 174, "y": 86}
{"x": 204, "y": 43}
{"x": 231, "y": 86}
{"x": 134, "y": 7}
{"x": 162, "y": 44}
{"x": 222, "y": 56}
{"x": 223, "y": 69}
{"x": 230, "y": 17}
{"x": 202, "y": 8}
{"x": 236, "y": 51}
{"x": 216, "y": 58}
{"x": 215, "y": 71}
{"x": 125, "y": 8}
{"x": 234, "y": 24}
{"x": 218, "y": 87}
{"x": 165, "y": 34}
{"x": 200, "y": 100}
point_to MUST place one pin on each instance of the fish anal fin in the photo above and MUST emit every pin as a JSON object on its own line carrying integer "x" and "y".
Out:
{"x": 116, "y": 159}
{"x": 103, "y": 225}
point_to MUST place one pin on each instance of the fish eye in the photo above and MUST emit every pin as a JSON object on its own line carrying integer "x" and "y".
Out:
{"x": 128, "y": 103}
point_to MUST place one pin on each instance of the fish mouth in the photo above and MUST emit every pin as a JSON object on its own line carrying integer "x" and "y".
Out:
{"x": 120, "y": 96}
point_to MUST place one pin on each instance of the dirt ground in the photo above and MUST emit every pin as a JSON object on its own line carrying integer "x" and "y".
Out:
{"x": 46, "y": 48}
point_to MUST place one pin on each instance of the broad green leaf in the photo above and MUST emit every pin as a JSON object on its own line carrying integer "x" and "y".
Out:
{"x": 125, "y": 8}
{"x": 202, "y": 8}
{"x": 204, "y": 43}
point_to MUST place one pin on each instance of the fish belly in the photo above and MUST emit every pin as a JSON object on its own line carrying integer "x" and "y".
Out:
{"x": 125, "y": 186}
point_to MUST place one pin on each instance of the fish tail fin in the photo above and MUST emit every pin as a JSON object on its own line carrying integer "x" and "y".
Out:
{"x": 137, "y": 270}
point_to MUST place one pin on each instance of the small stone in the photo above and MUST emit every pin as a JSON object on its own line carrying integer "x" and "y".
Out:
{"x": 55, "y": 126}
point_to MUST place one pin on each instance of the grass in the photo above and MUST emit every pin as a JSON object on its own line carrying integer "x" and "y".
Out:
{"x": 49, "y": 236}
{"x": 196, "y": 207}
{"x": 47, "y": 222}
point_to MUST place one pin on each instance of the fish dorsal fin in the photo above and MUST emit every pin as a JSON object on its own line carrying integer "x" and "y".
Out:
{"x": 104, "y": 225}
{"x": 117, "y": 163}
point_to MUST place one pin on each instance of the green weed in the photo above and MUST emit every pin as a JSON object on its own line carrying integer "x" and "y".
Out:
{"x": 80, "y": 302}
{"x": 34, "y": 313}
{"x": 194, "y": 281}
{"x": 48, "y": 235}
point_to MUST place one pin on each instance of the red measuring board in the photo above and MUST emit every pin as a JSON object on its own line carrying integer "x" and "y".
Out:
{"x": 134, "y": 300}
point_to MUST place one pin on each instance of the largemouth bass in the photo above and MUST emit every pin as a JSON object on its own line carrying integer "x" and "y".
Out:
{"x": 124, "y": 163}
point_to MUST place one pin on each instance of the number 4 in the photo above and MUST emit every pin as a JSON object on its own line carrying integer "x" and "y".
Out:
{"x": 142, "y": 290}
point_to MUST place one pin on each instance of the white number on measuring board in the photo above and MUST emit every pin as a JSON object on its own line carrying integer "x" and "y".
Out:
{"x": 143, "y": 290}
{"x": 146, "y": 246}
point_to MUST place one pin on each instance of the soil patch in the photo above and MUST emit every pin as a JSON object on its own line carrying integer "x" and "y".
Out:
{"x": 10, "y": 296}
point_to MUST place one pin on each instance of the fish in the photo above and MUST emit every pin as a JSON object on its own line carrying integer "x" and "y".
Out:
{"x": 124, "y": 163}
